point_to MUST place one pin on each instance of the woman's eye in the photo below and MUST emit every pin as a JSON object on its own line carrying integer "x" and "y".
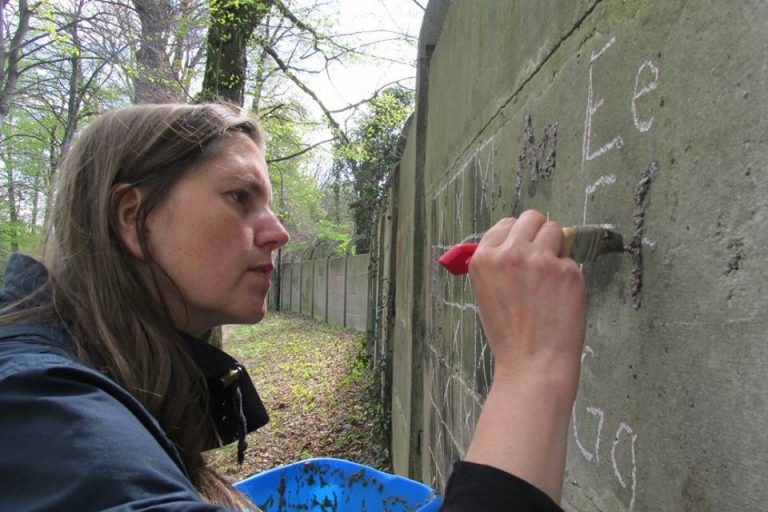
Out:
{"x": 240, "y": 196}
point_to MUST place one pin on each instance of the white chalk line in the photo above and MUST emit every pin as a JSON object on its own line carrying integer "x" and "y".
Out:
{"x": 599, "y": 53}
{"x": 465, "y": 306}
{"x": 623, "y": 427}
{"x": 461, "y": 169}
{"x": 644, "y": 126}
{"x": 592, "y": 108}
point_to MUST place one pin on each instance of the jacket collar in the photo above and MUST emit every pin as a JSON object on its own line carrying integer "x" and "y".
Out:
{"x": 234, "y": 404}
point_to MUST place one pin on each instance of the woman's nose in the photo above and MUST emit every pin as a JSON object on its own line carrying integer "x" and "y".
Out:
{"x": 272, "y": 234}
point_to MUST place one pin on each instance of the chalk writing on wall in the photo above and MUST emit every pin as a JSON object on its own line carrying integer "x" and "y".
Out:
{"x": 624, "y": 441}
{"x": 458, "y": 360}
{"x": 625, "y": 436}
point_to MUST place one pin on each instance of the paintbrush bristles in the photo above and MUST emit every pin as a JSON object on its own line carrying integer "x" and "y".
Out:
{"x": 586, "y": 243}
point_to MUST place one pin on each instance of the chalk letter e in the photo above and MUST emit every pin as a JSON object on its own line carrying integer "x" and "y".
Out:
{"x": 644, "y": 126}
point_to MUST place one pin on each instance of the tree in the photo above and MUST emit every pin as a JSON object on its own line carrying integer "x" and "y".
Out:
{"x": 61, "y": 71}
{"x": 63, "y": 61}
{"x": 154, "y": 81}
{"x": 365, "y": 162}
{"x": 232, "y": 23}
{"x": 300, "y": 199}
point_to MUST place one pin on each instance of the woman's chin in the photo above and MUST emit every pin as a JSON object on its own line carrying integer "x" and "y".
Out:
{"x": 252, "y": 317}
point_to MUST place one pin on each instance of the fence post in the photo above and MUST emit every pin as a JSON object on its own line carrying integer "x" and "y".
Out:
{"x": 327, "y": 284}
{"x": 346, "y": 264}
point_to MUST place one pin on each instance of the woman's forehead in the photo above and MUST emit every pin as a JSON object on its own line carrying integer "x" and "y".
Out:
{"x": 237, "y": 156}
{"x": 232, "y": 143}
{"x": 241, "y": 164}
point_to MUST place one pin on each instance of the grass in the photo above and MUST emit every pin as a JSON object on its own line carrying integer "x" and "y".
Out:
{"x": 317, "y": 385}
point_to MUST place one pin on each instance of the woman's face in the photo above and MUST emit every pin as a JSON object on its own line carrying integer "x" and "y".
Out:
{"x": 214, "y": 235}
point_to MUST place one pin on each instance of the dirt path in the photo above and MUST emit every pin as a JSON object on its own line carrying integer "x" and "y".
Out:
{"x": 316, "y": 385}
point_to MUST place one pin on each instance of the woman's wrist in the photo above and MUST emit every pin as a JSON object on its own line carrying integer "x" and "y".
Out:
{"x": 555, "y": 382}
{"x": 523, "y": 429}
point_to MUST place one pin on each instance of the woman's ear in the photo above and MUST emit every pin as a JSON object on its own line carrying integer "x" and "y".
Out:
{"x": 126, "y": 201}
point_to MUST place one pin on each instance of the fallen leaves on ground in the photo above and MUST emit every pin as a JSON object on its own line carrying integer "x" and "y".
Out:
{"x": 318, "y": 388}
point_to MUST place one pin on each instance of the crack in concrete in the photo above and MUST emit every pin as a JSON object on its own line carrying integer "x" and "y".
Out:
{"x": 531, "y": 76}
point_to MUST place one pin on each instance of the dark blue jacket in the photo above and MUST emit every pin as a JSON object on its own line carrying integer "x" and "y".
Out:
{"x": 70, "y": 437}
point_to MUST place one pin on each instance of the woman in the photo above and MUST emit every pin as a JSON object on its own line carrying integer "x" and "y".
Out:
{"x": 162, "y": 230}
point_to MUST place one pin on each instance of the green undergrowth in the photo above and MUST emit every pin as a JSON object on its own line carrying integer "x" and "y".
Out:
{"x": 317, "y": 384}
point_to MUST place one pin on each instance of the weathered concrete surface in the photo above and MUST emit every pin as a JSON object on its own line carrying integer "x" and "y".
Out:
{"x": 336, "y": 277}
{"x": 295, "y": 287}
{"x": 661, "y": 123}
{"x": 284, "y": 294}
{"x": 307, "y": 287}
{"x": 357, "y": 292}
{"x": 402, "y": 339}
{"x": 332, "y": 290}
{"x": 320, "y": 290}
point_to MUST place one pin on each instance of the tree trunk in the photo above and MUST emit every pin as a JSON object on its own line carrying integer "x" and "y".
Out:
{"x": 10, "y": 57}
{"x": 74, "y": 102}
{"x": 13, "y": 212}
{"x": 74, "y": 95}
{"x": 154, "y": 81}
{"x": 232, "y": 25}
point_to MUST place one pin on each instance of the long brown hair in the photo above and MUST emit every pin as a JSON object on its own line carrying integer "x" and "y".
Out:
{"x": 118, "y": 324}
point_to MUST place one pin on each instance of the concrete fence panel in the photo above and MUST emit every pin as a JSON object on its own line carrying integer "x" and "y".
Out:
{"x": 320, "y": 290}
{"x": 336, "y": 291}
{"x": 357, "y": 292}
{"x": 295, "y": 290}
{"x": 333, "y": 290}
{"x": 307, "y": 287}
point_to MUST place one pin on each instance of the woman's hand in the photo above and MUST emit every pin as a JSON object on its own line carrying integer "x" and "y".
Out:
{"x": 531, "y": 302}
{"x": 532, "y": 306}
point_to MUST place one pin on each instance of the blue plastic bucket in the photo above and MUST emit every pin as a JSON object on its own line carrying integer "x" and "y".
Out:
{"x": 336, "y": 485}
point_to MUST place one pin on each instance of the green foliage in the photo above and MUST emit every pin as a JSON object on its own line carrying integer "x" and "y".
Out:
{"x": 360, "y": 371}
{"x": 319, "y": 390}
{"x": 299, "y": 199}
{"x": 80, "y": 59}
{"x": 364, "y": 164}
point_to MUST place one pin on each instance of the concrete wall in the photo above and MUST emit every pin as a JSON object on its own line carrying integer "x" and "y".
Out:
{"x": 336, "y": 276}
{"x": 332, "y": 290}
{"x": 646, "y": 115}
{"x": 307, "y": 287}
{"x": 283, "y": 295}
{"x": 320, "y": 290}
{"x": 295, "y": 287}
{"x": 357, "y": 292}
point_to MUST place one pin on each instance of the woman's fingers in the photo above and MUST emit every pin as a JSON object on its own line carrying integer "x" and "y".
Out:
{"x": 549, "y": 237}
{"x": 529, "y": 300}
{"x": 531, "y": 226}
{"x": 498, "y": 233}
{"x": 526, "y": 227}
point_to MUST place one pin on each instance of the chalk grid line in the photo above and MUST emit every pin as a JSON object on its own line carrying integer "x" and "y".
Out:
{"x": 454, "y": 338}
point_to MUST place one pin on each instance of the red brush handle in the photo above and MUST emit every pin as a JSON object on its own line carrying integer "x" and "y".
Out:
{"x": 457, "y": 259}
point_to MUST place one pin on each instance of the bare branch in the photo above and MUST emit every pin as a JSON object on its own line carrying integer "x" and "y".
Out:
{"x": 372, "y": 97}
{"x": 299, "y": 153}
{"x": 419, "y": 5}
{"x": 301, "y": 85}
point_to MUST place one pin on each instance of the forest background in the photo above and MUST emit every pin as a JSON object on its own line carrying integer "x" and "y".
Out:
{"x": 332, "y": 95}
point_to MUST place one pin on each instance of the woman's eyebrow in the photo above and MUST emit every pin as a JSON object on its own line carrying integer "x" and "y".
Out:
{"x": 252, "y": 183}
{"x": 247, "y": 180}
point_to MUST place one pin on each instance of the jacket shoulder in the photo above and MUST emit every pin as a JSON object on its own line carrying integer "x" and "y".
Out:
{"x": 80, "y": 441}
